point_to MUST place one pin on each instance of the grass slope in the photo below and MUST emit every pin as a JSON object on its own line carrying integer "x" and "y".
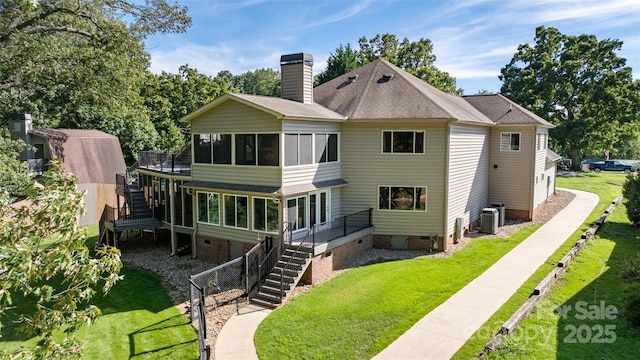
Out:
{"x": 139, "y": 321}
{"x": 357, "y": 314}
{"x": 618, "y": 229}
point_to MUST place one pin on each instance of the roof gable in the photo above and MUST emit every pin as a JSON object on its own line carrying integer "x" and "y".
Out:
{"x": 503, "y": 111}
{"x": 93, "y": 156}
{"x": 278, "y": 107}
{"x": 372, "y": 95}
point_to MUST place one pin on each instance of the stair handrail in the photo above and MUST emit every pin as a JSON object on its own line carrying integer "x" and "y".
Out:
{"x": 288, "y": 264}
{"x": 267, "y": 264}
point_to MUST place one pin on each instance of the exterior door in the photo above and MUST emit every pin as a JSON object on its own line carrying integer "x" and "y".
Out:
{"x": 319, "y": 210}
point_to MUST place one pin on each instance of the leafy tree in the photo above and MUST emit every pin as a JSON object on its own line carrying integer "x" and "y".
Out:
{"x": 47, "y": 275}
{"x": 484, "y": 92}
{"x": 415, "y": 57}
{"x": 631, "y": 193}
{"x": 169, "y": 97}
{"x": 81, "y": 64}
{"x": 338, "y": 63}
{"x": 580, "y": 85}
{"x": 264, "y": 82}
{"x": 14, "y": 176}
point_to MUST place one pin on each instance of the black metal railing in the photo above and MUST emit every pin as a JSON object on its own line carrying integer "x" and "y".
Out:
{"x": 164, "y": 161}
{"x": 341, "y": 227}
{"x": 304, "y": 248}
{"x": 272, "y": 256}
{"x": 121, "y": 182}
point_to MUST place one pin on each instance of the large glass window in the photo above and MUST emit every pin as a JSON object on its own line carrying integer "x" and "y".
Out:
{"x": 264, "y": 152}
{"x": 326, "y": 147}
{"x": 202, "y": 148}
{"x": 298, "y": 149}
{"x": 509, "y": 141}
{"x": 209, "y": 208}
{"x": 297, "y": 212}
{"x": 245, "y": 149}
{"x": 412, "y": 198}
{"x": 408, "y": 142}
{"x": 235, "y": 211}
{"x": 221, "y": 148}
{"x": 268, "y": 145}
{"x": 265, "y": 215}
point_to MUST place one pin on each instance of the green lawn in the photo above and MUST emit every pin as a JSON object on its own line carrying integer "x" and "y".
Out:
{"x": 539, "y": 335}
{"x": 359, "y": 313}
{"x": 139, "y": 321}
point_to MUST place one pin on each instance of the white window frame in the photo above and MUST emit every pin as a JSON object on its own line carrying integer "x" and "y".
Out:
{"x": 253, "y": 211}
{"x": 208, "y": 193}
{"x": 426, "y": 191}
{"x": 224, "y": 208}
{"x": 510, "y": 134}
{"x": 416, "y": 131}
{"x": 306, "y": 211}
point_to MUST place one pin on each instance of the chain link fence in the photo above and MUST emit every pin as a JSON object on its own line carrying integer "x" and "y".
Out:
{"x": 222, "y": 285}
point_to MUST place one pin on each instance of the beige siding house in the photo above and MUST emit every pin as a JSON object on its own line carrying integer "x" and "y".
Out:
{"x": 376, "y": 145}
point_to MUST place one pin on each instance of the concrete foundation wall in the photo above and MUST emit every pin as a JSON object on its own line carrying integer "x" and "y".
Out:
{"x": 391, "y": 242}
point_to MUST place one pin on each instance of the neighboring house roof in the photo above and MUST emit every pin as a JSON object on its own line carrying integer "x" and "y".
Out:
{"x": 280, "y": 108}
{"x": 552, "y": 156}
{"x": 504, "y": 111}
{"x": 91, "y": 155}
{"x": 375, "y": 95}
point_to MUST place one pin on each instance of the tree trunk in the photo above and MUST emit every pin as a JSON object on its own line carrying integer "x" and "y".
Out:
{"x": 575, "y": 159}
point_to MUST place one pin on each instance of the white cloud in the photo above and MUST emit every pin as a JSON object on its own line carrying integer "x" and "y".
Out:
{"x": 347, "y": 13}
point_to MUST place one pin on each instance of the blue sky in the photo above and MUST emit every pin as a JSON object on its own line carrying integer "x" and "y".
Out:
{"x": 472, "y": 40}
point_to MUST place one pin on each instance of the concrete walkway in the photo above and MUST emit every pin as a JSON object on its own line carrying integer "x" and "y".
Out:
{"x": 441, "y": 333}
{"x": 235, "y": 340}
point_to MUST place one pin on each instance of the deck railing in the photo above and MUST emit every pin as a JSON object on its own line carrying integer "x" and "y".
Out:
{"x": 341, "y": 227}
{"x": 164, "y": 161}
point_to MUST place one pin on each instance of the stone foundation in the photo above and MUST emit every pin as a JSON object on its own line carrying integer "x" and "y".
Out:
{"x": 212, "y": 249}
{"x": 325, "y": 263}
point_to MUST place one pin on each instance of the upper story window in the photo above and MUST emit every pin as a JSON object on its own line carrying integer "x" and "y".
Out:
{"x": 509, "y": 141}
{"x": 326, "y": 147}
{"x": 407, "y": 142}
{"x": 257, "y": 149}
{"x": 212, "y": 148}
{"x": 298, "y": 149}
{"x": 304, "y": 149}
{"x": 412, "y": 198}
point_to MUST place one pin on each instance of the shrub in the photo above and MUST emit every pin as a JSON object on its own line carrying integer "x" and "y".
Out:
{"x": 631, "y": 193}
{"x": 632, "y": 308}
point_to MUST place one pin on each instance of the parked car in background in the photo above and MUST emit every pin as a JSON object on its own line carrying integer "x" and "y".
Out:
{"x": 610, "y": 165}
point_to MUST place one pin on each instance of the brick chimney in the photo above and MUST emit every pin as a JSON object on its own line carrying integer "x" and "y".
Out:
{"x": 296, "y": 71}
{"x": 20, "y": 125}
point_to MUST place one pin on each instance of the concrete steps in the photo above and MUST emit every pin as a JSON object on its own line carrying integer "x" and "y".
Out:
{"x": 277, "y": 287}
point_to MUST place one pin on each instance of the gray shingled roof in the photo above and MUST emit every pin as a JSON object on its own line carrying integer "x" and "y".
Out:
{"x": 404, "y": 96}
{"x": 93, "y": 156}
{"x": 281, "y": 108}
{"x": 504, "y": 111}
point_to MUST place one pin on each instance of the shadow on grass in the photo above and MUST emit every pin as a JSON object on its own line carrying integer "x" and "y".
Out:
{"x": 160, "y": 326}
{"x": 592, "y": 324}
